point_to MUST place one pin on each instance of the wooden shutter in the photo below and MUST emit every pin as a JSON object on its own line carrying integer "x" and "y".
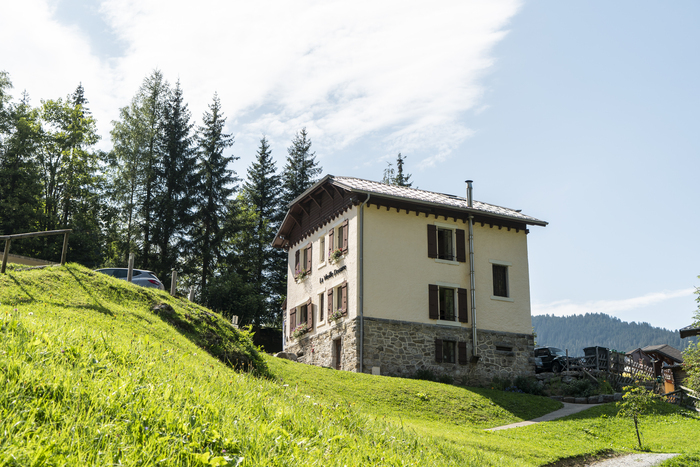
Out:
{"x": 308, "y": 258}
{"x": 461, "y": 252}
{"x": 330, "y": 302}
{"x": 344, "y": 295}
{"x": 345, "y": 236}
{"x": 462, "y": 346}
{"x": 462, "y": 305}
{"x": 309, "y": 314}
{"x": 330, "y": 242}
{"x": 438, "y": 350}
{"x": 296, "y": 261}
{"x": 292, "y": 320}
{"x": 432, "y": 241}
{"x": 433, "y": 302}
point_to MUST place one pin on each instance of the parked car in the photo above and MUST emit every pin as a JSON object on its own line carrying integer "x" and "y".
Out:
{"x": 139, "y": 277}
{"x": 551, "y": 359}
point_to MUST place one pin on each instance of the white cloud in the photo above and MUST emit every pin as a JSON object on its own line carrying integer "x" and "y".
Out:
{"x": 610, "y": 307}
{"x": 405, "y": 70}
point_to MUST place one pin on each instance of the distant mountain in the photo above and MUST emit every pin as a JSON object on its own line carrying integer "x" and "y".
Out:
{"x": 598, "y": 329}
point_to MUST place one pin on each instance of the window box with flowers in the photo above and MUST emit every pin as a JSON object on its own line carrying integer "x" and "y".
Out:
{"x": 335, "y": 255}
{"x": 300, "y": 330}
{"x": 336, "y": 316}
{"x": 301, "y": 275}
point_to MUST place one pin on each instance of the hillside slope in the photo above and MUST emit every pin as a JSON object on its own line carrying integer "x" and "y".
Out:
{"x": 598, "y": 329}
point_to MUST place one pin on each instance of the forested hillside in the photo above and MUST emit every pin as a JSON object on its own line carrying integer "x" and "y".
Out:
{"x": 579, "y": 331}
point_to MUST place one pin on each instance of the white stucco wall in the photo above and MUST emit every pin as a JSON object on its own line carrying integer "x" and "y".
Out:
{"x": 312, "y": 286}
{"x": 397, "y": 270}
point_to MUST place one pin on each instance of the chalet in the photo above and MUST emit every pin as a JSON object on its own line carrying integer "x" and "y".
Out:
{"x": 666, "y": 361}
{"x": 391, "y": 280}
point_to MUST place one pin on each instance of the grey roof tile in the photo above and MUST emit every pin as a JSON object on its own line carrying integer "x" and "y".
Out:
{"x": 431, "y": 197}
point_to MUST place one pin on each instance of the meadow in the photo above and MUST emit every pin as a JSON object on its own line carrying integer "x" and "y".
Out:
{"x": 95, "y": 371}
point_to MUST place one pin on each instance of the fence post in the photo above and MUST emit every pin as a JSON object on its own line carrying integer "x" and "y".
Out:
{"x": 5, "y": 254}
{"x": 130, "y": 272}
{"x": 190, "y": 297}
{"x": 65, "y": 249}
{"x": 173, "y": 283}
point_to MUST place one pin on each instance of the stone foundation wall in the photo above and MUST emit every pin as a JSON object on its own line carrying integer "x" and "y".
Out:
{"x": 402, "y": 348}
{"x": 318, "y": 349}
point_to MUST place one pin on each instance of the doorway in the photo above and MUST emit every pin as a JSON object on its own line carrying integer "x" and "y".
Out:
{"x": 337, "y": 353}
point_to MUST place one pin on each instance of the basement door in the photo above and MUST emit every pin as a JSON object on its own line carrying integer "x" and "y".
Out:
{"x": 337, "y": 351}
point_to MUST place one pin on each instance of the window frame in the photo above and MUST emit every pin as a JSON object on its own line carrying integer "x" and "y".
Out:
{"x": 459, "y": 303}
{"x": 457, "y": 254}
{"x": 449, "y": 356}
{"x": 497, "y": 265}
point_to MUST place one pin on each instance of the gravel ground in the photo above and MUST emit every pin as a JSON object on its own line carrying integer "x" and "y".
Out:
{"x": 634, "y": 460}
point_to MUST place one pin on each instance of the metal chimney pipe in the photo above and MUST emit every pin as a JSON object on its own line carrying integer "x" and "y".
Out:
{"x": 472, "y": 276}
{"x": 470, "y": 199}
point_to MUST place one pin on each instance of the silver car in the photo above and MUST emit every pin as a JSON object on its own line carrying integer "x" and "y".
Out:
{"x": 139, "y": 277}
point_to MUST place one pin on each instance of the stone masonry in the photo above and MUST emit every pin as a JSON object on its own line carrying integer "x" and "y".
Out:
{"x": 400, "y": 348}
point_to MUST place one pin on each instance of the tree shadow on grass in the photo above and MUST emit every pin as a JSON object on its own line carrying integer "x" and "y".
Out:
{"x": 98, "y": 305}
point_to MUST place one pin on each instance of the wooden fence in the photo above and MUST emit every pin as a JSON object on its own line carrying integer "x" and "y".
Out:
{"x": 684, "y": 397}
{"x": 8, "y": 240}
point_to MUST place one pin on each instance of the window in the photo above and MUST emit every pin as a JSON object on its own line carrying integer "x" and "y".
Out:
{"x": 302, "y": 314}
{"x": 338, "y": 239}
{"x": 446, "y": 351}
{"x": 500, "y": 280}
{"x": 447, "y": 303}
{"x": 321, "y": 296}
{"x": 302, "y": 260}
{"x": 447, "y": 243}
{"x": 340, "y": 304}
{"x": 322, "y": 250}
{"x": 443, "y": 305}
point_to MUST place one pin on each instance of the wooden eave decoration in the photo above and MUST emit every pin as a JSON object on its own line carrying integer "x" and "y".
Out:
{"x": 689, "y": 332}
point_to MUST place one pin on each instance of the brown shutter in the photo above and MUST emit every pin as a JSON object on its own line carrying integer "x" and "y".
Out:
{"x": 345, "y": 236}
{"x": 292, "y": 320}
{"x": 433, "y": 311}
{"x": 344, "y": 295}
{"x": 462, "y": 346}
{"x": 462, "y": 305}
{"x": 309, "y": 314}
{"x": 461, "y": 252}
{"x": 296, "y": 261}
{"x": 330, "y": 302}
{"x": 432, "y": 241}
{"x": 308, "y": 257}
{"x": 438, "y": 350}
{"x": 330, "y": 242}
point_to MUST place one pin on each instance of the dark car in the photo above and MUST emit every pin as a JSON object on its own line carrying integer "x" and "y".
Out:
{"x": 139, "y": 277}
{"x": 551, "y": 359}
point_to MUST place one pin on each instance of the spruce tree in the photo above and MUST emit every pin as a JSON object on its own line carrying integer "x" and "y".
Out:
{"x": 396, "y": 176}
{"x": 301, "y": 170}
{"x": 266, "y": 266}
{"x": 176, "y": 182}
{"x": 215, "y": 187}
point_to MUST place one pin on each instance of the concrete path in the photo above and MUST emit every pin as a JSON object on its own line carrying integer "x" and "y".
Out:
{"x": 635, "y": 460}
{"x": 568, "y": 409}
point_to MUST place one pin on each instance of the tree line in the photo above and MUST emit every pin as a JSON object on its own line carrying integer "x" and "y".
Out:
{"x": 598, "y": 329}
{"x": 168, "y": 191}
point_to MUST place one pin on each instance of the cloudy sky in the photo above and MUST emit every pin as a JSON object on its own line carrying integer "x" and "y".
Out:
{"x": 584, "y": 114}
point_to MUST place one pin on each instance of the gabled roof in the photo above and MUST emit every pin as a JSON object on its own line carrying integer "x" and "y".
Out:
{"x": 430, "y": 197}
{"x": 667, "y": 350}
{"x": 690, "y": 331}
{"x": 357, "y": 190}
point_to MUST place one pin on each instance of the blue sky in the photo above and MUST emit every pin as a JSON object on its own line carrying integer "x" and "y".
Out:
{"x": 584, "y": 114}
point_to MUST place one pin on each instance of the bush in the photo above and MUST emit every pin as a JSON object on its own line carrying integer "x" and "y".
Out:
{"x": 446, "y": 379}
{"x": 529, "y": 385}
{"x": 425, "y": 375}
{"x": 579, "y": 388}
{"x": 500, "y": 383}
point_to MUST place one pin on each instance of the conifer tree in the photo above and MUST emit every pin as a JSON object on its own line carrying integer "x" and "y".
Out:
{"x": 176, "y": 176}
{"x": 215, "y": 187}
{"x": 396, "y": 176}
{"x": 266, "y": 266}
{"x": 301, "y": 170}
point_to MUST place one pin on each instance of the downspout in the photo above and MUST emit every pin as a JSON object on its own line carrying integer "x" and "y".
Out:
{"x": 472, "y": 280}
{"x": 361, "y": 282}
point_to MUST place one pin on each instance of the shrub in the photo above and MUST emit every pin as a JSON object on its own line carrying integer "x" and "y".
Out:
{"x": 579, "y": 388}
{"x": 425, "y": 375}
{"x": 446, "y": 379}
{"x": 500, "y": 383}
{"x": 528, "y": 385}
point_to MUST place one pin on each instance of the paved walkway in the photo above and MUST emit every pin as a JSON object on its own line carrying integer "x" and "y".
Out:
{"x": 568, "y": 409}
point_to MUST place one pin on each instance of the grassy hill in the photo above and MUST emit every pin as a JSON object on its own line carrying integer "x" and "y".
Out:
{"x": 95, "y": 371}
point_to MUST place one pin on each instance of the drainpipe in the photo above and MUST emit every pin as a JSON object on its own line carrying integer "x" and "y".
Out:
{"x": 361, "y": 282}
{"x": 472, "y": 280}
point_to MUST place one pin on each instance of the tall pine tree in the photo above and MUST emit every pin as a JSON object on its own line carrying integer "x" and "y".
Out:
{"x": 265, "y": 266}
{"x": 213, "y": 191}
{"x": 301, "y": 170}
{"x": 396, "y": 176}
{"x": 176, "y": 176}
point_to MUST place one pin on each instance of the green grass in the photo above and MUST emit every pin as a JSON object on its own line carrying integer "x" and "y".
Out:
{"x": 95, "y": 371}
